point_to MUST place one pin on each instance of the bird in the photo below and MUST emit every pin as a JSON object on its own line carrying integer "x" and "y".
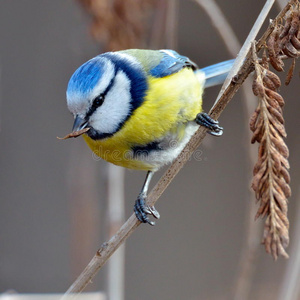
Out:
{"x": 138, "y": 108}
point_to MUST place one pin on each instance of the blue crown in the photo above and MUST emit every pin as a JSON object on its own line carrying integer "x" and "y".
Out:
{"x": 86, "y": 76}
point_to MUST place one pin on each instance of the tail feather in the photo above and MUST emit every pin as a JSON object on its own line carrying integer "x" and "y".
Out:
{"x": 216, "y": 74}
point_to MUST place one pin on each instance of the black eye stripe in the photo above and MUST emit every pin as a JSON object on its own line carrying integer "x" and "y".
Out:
{"x": 100, "y": 98}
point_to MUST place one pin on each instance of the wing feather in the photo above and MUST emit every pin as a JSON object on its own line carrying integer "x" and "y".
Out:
{"x": 171, "y": 63}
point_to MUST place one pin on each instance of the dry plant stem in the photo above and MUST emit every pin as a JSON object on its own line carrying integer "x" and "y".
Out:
{"x": 102, "y": 255}
{"x": 157, "y": 34}
{"x": 116, "y": 217}
{"x": 272, "y": 200}
{"x": 271, "y": 177}
{"x": 281, "y": 4}
{"x": 248, "y": 257}
{"x": 83, "y": 202}
{"x": 171, "y": 24}
{"x": 119, "y": 24}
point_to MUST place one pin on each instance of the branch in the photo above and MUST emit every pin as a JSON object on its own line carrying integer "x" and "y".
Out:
{"x": 171, "y": 25}
{"x": 281, "y": 4}
{"x": 239, "y": 74}
{"x": 115, "y": 218}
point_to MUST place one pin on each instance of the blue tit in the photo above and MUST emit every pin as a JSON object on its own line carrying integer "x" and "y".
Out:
{"x": 139, "y": 109}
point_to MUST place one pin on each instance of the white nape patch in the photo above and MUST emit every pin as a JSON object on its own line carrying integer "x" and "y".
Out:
{"x": 79, "y": 103}
{"x": 116, "y": 106}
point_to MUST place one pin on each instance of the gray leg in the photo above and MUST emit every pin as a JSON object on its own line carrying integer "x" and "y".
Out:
{"x": 140, "y": 208}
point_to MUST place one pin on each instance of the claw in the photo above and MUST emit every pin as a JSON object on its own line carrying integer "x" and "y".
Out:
{"x": 205, "y": 120}
{"x": 154, "y": 212}
{"x": 142, "y": 210}
{"x": 215, "y": 133}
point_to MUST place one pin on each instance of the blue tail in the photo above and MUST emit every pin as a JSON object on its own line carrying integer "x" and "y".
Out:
{"x": 216, "y": 74}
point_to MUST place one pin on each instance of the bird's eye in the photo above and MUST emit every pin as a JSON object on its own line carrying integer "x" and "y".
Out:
{"x": 98, "y": 101}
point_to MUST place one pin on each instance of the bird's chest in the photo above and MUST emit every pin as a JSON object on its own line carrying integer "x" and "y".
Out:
{"x": 141, "y": 153}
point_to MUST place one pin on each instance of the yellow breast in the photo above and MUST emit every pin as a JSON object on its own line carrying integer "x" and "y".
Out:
{"x": 169, "y": 103}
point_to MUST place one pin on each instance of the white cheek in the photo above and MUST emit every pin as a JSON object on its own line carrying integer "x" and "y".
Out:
{"x": 116, "y": 106}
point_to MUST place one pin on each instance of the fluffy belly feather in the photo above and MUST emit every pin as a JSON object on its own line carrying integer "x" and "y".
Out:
{"x": 146, "y": 158}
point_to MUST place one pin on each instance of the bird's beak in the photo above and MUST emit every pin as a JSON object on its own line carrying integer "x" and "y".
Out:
{"x": 79, "y": 124}
{"x": 80, "y": 127}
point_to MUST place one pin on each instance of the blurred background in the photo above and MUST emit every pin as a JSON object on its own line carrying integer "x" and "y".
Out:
{"x": 54, "y": 206}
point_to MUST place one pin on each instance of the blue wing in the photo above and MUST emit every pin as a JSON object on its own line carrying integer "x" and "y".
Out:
{"x": 171, "y": 63}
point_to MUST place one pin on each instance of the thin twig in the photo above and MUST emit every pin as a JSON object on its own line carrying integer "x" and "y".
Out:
{"x": 281, "y": 4}
{"x": 157, "y": 34}
{"x": 116, "y": 213}
{"x": 108, "y": 248}
{"x": 84, "y": 222}
{"x": 1, "y": 97}
{"x": 171, "y": 24}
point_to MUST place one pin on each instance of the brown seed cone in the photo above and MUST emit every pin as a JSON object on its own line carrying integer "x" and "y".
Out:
{"x": 270, "y": 174}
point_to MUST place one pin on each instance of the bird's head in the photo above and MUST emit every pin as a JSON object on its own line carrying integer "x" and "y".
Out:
{"x": 103, "y": 93}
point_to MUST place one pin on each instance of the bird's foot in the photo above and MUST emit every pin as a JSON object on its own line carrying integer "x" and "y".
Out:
{"x": 142, "y": 210}
{"x": 212, "y": 125}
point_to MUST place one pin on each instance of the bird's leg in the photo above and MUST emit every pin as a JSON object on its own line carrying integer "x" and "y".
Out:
{"x": 212, "y": 125}
{"x": 140, "y": 208}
